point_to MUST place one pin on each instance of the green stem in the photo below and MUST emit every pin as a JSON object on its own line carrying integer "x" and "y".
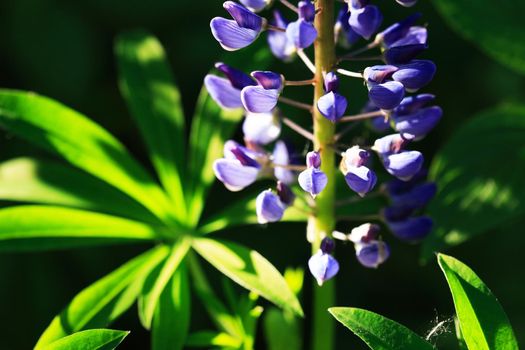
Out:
{"x": 323, "y": 222}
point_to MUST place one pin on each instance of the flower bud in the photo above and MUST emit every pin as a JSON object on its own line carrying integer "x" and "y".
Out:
{"x": 331, "y": 82}
{"x": 411, "y": 104}
{"x": 412, "y": 229}
{"x": 417, "y": 197}
{"x": 332, "y": 106}
{"x": 285, "y": 193}
{"x": 269, "y": 207}
{"x": 365, "y": 21}
{"x": 404, "y": 165}
{"x": 313, "y": 181}
{"x": 361, "y": 180}
{"x": 364, "y": 233}
{"x": 306, "y": 11}
{"x": 415, "y": 74}
{"x": 301, "y": 33}
{"x": 387, "y": 95}
{"x": 327, "y": 245}
{"x": 323, "y": 267}
{"x": 313, "y": 160}
{"x": 372, "y": 254}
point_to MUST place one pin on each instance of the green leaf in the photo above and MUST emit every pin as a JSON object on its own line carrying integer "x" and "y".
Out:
{"x": 34, "y": 227}
{"x": 50, "y": 182}
{"x": 158, "y": 280}
{"x": 282, "y": 330}
{"x": 205, "y": 339}
{"x": 484, "y": 324}
{"x": 86, "y": 145}
{"x": 477, "y": 190}
{"x": 249, "y": 269}
{"x": 498, "y": 29}
{"x": 378, "y": 332}
{"x": 211, "y": 127}
{"x": 171, "y": 322}
{"x": 147, "y": 84}
{"x": 243, "y": 213}
{"x": 105, "y": 300}
{"x": 92, "y": 339}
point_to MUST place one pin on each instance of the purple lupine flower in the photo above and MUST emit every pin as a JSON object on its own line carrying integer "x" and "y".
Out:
{"x": 416, "y": 197}
{"x": 261, "y": 128}
{"x": 418, "y": 124}
{"x": 255, "y": 5}
{"x": 269, "y": 207}
{"x": 397, "y": 31}
{"x": 403, "y": 54}
{"x": 364, "y": 233}
{"x": 227, "y": 91}
{"x": 403, "y": 165}
{"x": 406, "y": 3}
{"x": 263, "y": 97}
{"x": 415, "y": 74}
{"x": 238, "y": 169}
{"x": 332, "y": 105}
{"x": 306, "y": 10}
{"x": 358, "y": 177}
{"x": 411, "y": 104}
{"x": 413, "y": 229}
{"x": 390, "y": 144}
{"x": 281, "y": 156}
{"x": 387, "y": 95}
{"x": 344, "y": 34}
{"x": 323, "y": 266}
{"x": 241, "y": 31}
{"x": 313, "y": 180}
{"x": 301, "y": 33}
{"x": 365, "y": 21}
{"x": 415, "y": 35}
{"x": 281, "y": 46}
{"x": 372, "y": 254}
{"x": 378, "y": 74}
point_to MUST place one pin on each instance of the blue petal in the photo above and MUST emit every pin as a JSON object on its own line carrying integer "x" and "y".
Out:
{"x": 301, "y": 33}
{"x": 404, "y": 165}
{"x": 261, "y": 128}
{"x": 230, "y": 35}
{"x": 372, "y": 254}
{"x": 355, "y": 157}
{"x": 360, "y": 179}
{"x": 233, "y": 174}
{"x": 313, "y": 160}
{"x": 306, "y": 10}
{"x": 387, "y": 95}
{"x": 366, "y": 21}
{"x": 331, "y": 82}
{"x": 313, "y": 181}
{"x": 403, "y": 54}
{"x": 280, "y": 45}
{"x": 389, "y": 144}
{"x": 418, "y": 124}
{"x": 398, "y": 30}
{"x": 222, "y": 92}
{"x": 236, "y": 77}
{"x": 269, "y": 207}
{"x": 416, "y": 35}
{"x": 345, "y": 35}
{"x": 268, "y": 80}
{"x": 282, "y": 157}
{"x": 411, "y": 104}
{"x": 332, "y": 106}
{"x": 417, "y": 197}
{"x": 323, "y": 266}
{"x": 412, "y": 229}
{"x": 378, "y": 74}
{"x": 257, "y": 99}
{"x": 244, "y": 17}
{"x": 415, "y": 74}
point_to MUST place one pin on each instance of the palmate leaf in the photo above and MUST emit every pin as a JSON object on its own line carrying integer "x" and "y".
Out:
{"x": 378, "y": 332}
{"x": 499, "y": 31}
{"x": 158, "y": 280}
{"x": 50, "y": 182}
{"x": 92, "y": 339}
{"x": 484, "y": 324}
{"x": 37, "y": 227}
{"x": 86, "y": 145}
{"x": 105, "y": 300}
{"x": 250, "y": 270}
{"x": 172, "y": 315}
{"x": 477, "y": 189}
{"x": 148, "y": 86}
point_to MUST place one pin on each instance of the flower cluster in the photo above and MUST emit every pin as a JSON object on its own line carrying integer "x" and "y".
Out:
{"x": 390, "y": 107}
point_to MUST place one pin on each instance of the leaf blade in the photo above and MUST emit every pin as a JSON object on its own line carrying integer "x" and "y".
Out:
{"x": 378, "y": 332}
{"x": 147, "y": 84}
{"x": 250, "y": 270}
{"x": 484, "y": 324}
{"x": 92, "y": 339}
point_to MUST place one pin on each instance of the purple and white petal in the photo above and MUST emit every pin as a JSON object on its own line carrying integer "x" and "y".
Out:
{"x": 236, "y": 77}
{"x": 313, "y": 181}
{"x": 281, "y": 47}
{"x": 269, "y": 207}
{"x": 222, "y": 92}
{"x": 387, "y": 95}
{"x": 418, "y": 124}
{"x": 332, "y": 106}
{"x": 244, "y": 17}
{"x": 233, "y": 174}
{"x": 364, "y": 233}
{"x": 323, "y": 267}
{"x": 366, "y": 21}
{"x": 404, "y": 165}
{"x": 281, "y": 156}
{"x": 390, "y": 144}
{"x": 360, "y": 179}
{"x": 230, "y": 35}
{"x": 372, "y": 254}
{"x": 261, "y": 128}
{"x": 415, "y": 35}
{"x": 415, "y": 74}
{"x": 306, "y": 10}
{"x": 301, "y": 33}
{"x": 257, "y": 99}
{"x": 398, "y": 30}
{"x": 268, "y": 80}
{"x": 411, "y": 104}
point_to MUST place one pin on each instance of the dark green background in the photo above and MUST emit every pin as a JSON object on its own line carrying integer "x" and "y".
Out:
{"x": 63, "y": 49}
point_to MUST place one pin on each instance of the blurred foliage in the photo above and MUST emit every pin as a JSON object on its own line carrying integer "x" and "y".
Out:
{"x": 63, "y": 49}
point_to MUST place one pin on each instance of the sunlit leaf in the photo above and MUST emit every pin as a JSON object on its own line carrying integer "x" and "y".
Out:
{"x": 95, "y": 306}
{"x": 484, "y": 324}
{"x": 148, "y": 86}
{"x": 378, "y": 332}
{"x": 497, "y": 29}
{"x": 479, "y": 173}
{"x": 57, "y": 128}
{"x": 249, "y": 269}
{"x": 205, "y": 339}
{"x": 172, "y": 316}
{"x": 92, "y": 339}
{"x": 50, "y": 182}
{"x": 36, "y": 227}
{"x": 158, "y": 280}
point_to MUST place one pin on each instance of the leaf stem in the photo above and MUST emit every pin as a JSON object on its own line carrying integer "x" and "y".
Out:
{"x": 309, "y": 64}
{"x": 349, "y": 73}
{"x": 300, "y": 82}
{"x": 361, "y": 116}
{"x": 289, "y": 5}
{"x": 295, "y": 103}
{"x": 298, "y": 129}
